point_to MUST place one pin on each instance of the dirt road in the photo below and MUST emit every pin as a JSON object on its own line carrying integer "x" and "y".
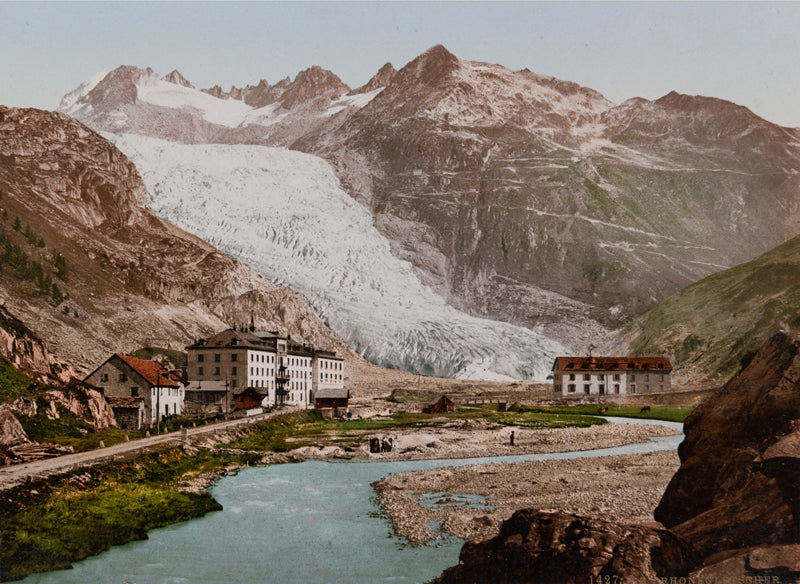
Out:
{"x": 19, "y": 473}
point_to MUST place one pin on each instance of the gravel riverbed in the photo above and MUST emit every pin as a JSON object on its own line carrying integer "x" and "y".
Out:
{"x": 472, "y": 502}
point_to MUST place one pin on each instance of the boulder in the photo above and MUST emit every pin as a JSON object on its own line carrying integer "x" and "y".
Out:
{"x": 11, "y": 431}
{"x": 738, "y": 485}
{"x": 102, "y": 414}
{"x": 538, "y": 546}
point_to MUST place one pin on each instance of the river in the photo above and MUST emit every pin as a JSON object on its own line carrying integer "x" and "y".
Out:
{"x": 312, "y": 523}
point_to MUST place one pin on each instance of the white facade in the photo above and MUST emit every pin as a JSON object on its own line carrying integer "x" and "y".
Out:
{"x": 575, "y": 377}
{"x": 289, "y": 372}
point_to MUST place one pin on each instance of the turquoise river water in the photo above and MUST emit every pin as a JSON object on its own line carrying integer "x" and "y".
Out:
{"x": 312, "y": 523}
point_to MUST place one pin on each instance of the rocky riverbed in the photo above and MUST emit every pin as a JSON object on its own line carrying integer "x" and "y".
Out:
{"x": 479, "y": 438}
{"x": 472, "y": 502}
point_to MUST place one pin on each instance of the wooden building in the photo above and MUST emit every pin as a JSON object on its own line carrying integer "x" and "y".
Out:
{"x": 332, "y": 398}
{"x": 443, "y": 405}
{"x": 208, "y": 398}
{"x": 246, "y": 398}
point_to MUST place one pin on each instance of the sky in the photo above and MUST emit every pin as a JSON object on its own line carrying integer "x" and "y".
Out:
{"x": 740, "y": 51}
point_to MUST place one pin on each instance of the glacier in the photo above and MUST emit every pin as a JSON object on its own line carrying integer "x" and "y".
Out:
{"x": 284, "y": 214}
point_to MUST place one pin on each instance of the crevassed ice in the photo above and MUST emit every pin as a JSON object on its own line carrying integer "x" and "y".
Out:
{"x": 284, "y": 214}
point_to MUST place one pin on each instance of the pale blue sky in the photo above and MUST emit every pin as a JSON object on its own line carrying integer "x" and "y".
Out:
{"x": 748, "y": 53}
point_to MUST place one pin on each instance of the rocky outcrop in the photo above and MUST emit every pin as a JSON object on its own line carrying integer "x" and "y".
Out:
{"x": 738, "y": 486}
{"x": 11, "y": 431}
{"x": 85, "y": 403}
{"x": 23, "y": 349}
{"x": 537, "y": 546}
{"x": 732, "y": 510}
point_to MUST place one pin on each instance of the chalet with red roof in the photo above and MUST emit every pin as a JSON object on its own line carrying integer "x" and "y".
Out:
{"x": 160, "y": 390}
{"x": 581, "y": 376}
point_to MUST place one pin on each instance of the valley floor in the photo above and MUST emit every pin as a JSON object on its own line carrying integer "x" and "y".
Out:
{"x": 622, "y": 488}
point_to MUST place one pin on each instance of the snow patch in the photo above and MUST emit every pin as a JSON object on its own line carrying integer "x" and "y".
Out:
{"x": 225, "y": 112}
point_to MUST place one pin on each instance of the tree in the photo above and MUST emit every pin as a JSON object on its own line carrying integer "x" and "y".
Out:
{"x": 61, "y": 267}
{"x": 55, "y": 295}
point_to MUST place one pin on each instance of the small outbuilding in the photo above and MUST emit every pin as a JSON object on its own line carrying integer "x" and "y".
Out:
{"x": 249, "y": 397}
{"x": 128, "y": 411}
{"x": 332, "y": 397}
{"x": 443, "y": 405}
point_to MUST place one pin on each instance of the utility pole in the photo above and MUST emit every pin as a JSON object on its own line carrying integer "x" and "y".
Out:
{"x": 158, "y": 401}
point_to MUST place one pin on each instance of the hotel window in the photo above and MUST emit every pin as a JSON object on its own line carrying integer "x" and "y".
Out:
{"x": 104, "y": 377}
{"x": 233, "y": 371}
{"x": 616, "y": 388}
{"x": 200, "y": 358}
{"x": 234, "y": 356}
{"x": 199, "y": 370}
{"x": 616, "y": 377}
{"x": 586, "y": 377}
{"x": 572, "y": 377}
{"x": 602, "y": 376}
{"x": 586, "y": 388}
{"x": 571, "y": 388}
{"x": 217, "y": 357}
{"x": 216, "y": 370}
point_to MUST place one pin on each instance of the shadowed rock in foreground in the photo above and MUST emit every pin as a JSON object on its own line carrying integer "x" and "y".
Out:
{"x": 732, "y": 511}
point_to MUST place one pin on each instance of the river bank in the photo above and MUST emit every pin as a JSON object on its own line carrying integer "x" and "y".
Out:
{"x": 472, "y": 502}
{"x": 55, "y": 521}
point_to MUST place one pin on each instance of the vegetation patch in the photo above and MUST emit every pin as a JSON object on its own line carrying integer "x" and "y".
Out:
{"x": 14, "y": 383}
{"x": 669, "y": 413}
{"x": 48, "y": 524}
{"x": 284, "y": 433}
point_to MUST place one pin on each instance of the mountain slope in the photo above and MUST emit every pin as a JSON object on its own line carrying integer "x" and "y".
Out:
{"x": 284, "y": 214}
{"x": 717, "y": 323}
{"x": 522, "y": 182}
{"x": 515, "y": 196}
{"x": 93, "y": 271}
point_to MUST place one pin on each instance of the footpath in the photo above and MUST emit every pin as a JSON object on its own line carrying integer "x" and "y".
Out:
{"x": 13, "y": 475}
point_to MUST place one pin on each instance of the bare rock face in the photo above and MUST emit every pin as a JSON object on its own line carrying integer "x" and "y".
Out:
{"x": 11, "y": 431}
{"x": 101, "y": 412}
{"x": 23, "y": 349}
{"x": 739, "y": 481}
{"x": 536, "y": 546}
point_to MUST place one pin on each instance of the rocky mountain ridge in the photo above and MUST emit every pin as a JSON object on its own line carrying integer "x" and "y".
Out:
{"x": 129, "y": 279}
{"x": 515, "y": 196}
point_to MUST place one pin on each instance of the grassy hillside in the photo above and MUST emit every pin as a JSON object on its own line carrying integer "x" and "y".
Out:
{"x": 711, "y": 327}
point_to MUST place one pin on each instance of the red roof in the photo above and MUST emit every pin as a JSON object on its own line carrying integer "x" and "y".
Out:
{"x": 612, "y": 364}
{"x": 153, "y": 373}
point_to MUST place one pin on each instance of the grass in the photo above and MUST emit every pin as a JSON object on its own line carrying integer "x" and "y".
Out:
{"x": 669, "y": 413}
{"x": 13, "y": 383}
{"x": 48, "y": 524}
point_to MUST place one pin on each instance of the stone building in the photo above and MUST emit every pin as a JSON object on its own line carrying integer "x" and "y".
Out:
{"x": 286, "y": 371}
{"x": 580, "y": 376}
{"x": 161, "y": 390}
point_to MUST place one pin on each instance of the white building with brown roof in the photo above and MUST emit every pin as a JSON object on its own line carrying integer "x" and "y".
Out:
{"x": 581, "y": 376}
{"x": 161, "y": 390}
